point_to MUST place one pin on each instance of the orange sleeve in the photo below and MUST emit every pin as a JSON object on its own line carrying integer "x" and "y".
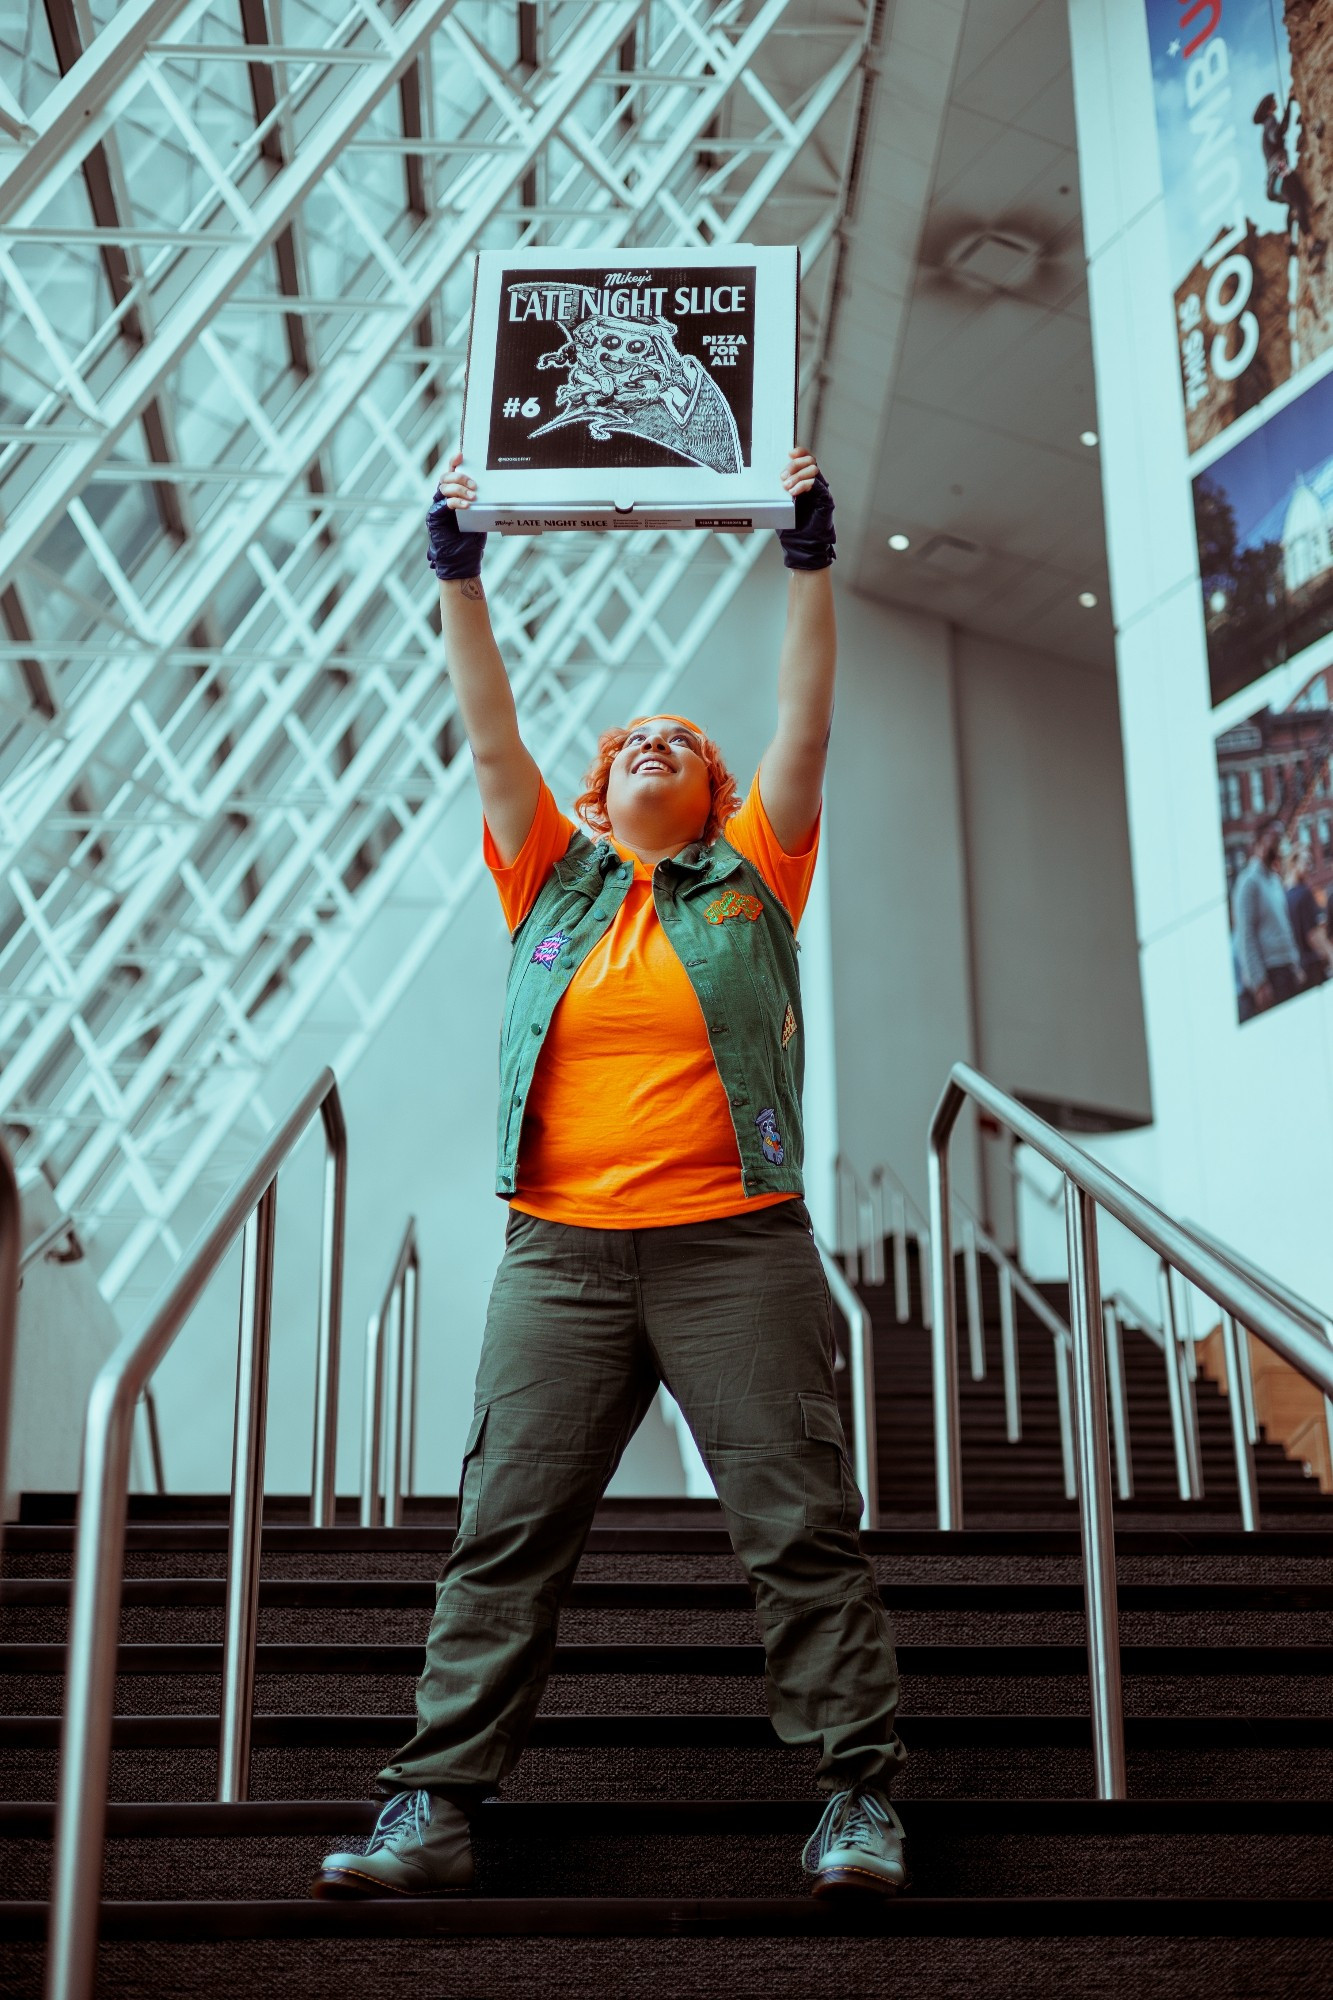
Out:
{"x": 788, "y": 875}
{"x": 519, "y": 883}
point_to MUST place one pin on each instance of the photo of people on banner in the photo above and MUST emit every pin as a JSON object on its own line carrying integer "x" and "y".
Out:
{"x": 1244, "y": 103}
{"x": 624, "y": 368}
{"x": 1275, "y": 780}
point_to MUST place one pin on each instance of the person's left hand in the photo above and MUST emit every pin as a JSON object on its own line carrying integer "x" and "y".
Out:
{"x": 808, "y": 543}
{"x": 801, "y": 471}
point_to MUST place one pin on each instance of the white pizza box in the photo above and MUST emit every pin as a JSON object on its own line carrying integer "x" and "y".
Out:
{"x": 631, "y": 389}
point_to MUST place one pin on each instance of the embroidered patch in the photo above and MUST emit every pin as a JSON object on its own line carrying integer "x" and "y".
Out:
{"x": 770, "y": 1137}
{"x": 788, "y": 1025}
{"x": 549, "y": 949}
{"x": 734, "y": 904}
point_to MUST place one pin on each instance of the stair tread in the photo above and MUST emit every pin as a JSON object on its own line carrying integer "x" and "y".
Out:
{"x": 1056, "y": 1817}
{"x": 944, "y": 1915}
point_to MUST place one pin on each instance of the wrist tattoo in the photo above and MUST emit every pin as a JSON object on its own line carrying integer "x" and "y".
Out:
{"x": 471, "y": 587}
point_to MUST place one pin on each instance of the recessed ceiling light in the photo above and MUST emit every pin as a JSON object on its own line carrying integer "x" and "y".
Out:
{"x": 900, "y": 542}
{"x": 1088, "y": 599}
{"x": 1087, "y": 437}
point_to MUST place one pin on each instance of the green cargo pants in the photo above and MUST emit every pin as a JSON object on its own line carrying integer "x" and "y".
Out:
{"x": 734, "y": 1317}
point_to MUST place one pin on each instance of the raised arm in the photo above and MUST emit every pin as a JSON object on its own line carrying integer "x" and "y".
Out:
{"x": 791, "y": 775}
{"x": 507, "y": 774}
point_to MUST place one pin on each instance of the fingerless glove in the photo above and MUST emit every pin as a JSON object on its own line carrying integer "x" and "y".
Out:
{"x": 809, "y": 545}
{"x": 451, "y": 552}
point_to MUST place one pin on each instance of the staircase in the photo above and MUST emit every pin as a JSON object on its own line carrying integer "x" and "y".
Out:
{"x": 1004, "y": 1478}
{"x": 650, "y": 1840}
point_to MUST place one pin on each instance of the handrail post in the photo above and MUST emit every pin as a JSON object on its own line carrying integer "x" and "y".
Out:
{"x": 333, "y": 1237}
{"x": 865, "y": 1439}
{"x": 848, "y": 1245}
{"x": 372, "y": 1421}
{"x": 1094, "y": 1487}
{"x": 902, "y": 1289}
{"x": 1115, "y": 1367}
{"x": 1247, "y": 1485}
{"x": 1247, "y": 1385}
{"x": 879, "y": 1227}
{"x": 11, "y": 1226}
{"x": 412, "y": 1364}
{"x": 944, "y": 1332}
{"x": 1174, "y": 1390}
{"x": 90, "y": 1688}
{"x": 393, "y": 1405}
{"x": 976, "y": 1326}
{"x": 247, "y": 1501}
{"x": 1013, "y": 1404}
{"x": 1064, "y": 1404}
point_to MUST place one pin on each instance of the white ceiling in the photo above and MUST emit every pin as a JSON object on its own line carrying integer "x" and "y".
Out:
{"x": 982, "y": 394}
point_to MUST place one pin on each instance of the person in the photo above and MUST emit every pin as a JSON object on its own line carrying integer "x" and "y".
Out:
{"x": 649, "y": 1141}
{"x": 1265, "y": 942}
{"x": 1284, "y": 182}
{"x": 1309, "y": 919}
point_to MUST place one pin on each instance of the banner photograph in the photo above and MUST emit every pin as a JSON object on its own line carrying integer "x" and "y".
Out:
{"x": 1263, "y": 518}
{"x": 1244, "y": 101}
{"x": 1275, "y": 784}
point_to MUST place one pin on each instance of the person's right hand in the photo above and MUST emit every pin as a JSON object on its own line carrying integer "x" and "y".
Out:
{"x": 1263, "y": 996}
{"x": 453, "y": 553}
{"x": 458, "y": 488}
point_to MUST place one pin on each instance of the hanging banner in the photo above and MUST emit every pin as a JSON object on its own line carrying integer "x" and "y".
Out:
{"x": 1263, "y": 521}
{"x": 1275, "y": 785}
{"x": 655, "y": 390}
{"x": 1244, "y": 101}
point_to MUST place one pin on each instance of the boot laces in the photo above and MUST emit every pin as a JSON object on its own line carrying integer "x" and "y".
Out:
{"x": 404, "y": 1818}
{"x": 851, "y": 1819}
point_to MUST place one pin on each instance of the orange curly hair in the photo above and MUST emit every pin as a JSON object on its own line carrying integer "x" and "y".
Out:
{"x": 590, "y": 805}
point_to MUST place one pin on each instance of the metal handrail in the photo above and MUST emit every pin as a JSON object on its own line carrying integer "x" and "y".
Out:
{"x": 249, "y": 1212}
{"x": 1319, "y": 1321}
{"x": 392, "y": 1346}
{"x": 62, "y": 1226}
{"x": 905, "y": 1208}
{"x": 42, "y": 1245}
{"x": 865, "y": 1202}
{"x": 1088, "y": 1187}
{"x": 865, "y": 1442}
{"x": 11, "y": 1224}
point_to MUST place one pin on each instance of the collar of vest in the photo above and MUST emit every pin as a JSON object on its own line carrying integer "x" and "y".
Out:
{"x": 701, "y": 859}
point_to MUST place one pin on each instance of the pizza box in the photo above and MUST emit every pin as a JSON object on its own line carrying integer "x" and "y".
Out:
{"x": 644, "y": 389}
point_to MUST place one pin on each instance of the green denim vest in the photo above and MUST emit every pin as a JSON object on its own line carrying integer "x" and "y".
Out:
{"x": 737, "y": 945}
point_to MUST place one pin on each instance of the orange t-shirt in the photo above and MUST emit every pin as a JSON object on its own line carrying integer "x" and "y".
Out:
{"x": 627, "y": 1124}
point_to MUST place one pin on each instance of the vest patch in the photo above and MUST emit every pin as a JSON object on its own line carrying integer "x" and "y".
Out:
{"x": 788, "y": 1025}
{"x": 770, "y": 1137}
{"x": 550, "y": 948}
{"x": 734, "y": 904}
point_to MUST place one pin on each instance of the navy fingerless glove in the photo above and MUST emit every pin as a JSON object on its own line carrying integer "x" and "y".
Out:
{"x": 809, "y": 545}
{"x": 452, "y": 553}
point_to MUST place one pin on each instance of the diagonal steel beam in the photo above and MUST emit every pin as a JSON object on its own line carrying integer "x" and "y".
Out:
{"x": 46, "y": 501}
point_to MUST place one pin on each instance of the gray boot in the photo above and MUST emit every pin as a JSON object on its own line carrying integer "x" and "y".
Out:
{"x": 857, "y": 1848}
{"x": 421, "y": 1846}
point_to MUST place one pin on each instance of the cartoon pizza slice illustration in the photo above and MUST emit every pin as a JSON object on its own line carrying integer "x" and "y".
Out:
{"x": 626, "y": 377}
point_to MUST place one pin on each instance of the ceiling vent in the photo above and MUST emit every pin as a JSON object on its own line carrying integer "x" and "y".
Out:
{"x": 994, "y": 260}
{"x": 951, "y": 555}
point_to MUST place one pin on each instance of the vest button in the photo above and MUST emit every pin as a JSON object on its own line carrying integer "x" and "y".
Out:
{"x": 536, "y": 1027}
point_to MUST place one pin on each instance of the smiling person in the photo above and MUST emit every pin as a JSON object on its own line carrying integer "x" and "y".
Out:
{"x": 650, "y": 1153}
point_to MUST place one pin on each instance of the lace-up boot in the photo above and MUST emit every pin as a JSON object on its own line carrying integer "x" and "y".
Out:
{"x": 857, "y": 1846}
{"x": 420, "y": 1847}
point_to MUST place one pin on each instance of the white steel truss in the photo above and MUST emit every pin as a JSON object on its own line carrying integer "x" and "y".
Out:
{"x": 235, "y": 273}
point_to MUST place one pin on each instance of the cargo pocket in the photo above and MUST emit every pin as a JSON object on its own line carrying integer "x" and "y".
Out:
{"x": 469, "y": 1486}
{"x": 830, "y": 1492}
